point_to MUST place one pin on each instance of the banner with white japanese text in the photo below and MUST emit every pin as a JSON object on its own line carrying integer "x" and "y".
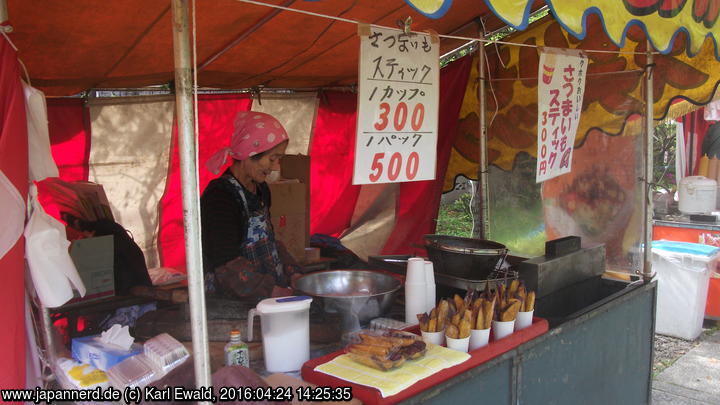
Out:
{"x": 561, "y": 85}
{"x": 397, "y": 107}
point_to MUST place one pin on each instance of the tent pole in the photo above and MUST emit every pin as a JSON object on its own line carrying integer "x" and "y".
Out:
{"x": 648, "y": 175}
{"x": 483, "y": 189}
{"x": 190, "y": 198}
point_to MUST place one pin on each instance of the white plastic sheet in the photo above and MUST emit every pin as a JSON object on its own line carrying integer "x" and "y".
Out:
{"x": 46, "y": 250}
{"x": 12, "y": 207}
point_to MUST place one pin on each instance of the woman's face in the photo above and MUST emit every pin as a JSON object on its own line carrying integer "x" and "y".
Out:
{"x": 258, "y": 170}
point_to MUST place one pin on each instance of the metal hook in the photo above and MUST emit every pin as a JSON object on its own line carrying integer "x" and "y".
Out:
{"x": 405, "y": 25}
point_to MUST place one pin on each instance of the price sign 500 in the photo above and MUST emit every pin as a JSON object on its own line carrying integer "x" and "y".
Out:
{"x": 400, "y": 116}
{"x": 394, "y": 166}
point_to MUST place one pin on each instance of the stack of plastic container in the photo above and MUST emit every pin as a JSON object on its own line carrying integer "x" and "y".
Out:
{"x": 160, "y": 355}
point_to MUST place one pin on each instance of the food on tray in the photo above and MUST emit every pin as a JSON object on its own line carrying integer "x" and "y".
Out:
{"x": 376, "y": 362}
{"x": 511, "y": 300}
{"x": 385, "y": 349}
{"x": 457, "y": 316}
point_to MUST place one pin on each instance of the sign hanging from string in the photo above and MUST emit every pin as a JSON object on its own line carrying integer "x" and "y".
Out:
{"x": 398, "y": 95}
{"x": 561, "y": 85}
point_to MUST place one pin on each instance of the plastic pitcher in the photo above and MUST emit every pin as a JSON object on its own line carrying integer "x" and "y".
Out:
{"x": 285, "y": 324}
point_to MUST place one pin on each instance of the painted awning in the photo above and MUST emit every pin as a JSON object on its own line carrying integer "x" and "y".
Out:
{"x": 662, "y": 20}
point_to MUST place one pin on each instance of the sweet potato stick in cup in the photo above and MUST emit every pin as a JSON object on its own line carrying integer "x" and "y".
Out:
{"x": 452, "y": 331}
{"x": 423, "y": 319}
{"x": 464, "y": 329}
{"x": 456, "y": 319}
{"x": 459, "y": 303}
{"x": 513, "y": 288}
{"x": 488, "y": 312}
{"x": 443, "y": 310}
{"x": 530, "y": 301}
{"x": 480, "y": 320}
{"x": 432, "y": 325}
{"x": 510, "y": 311}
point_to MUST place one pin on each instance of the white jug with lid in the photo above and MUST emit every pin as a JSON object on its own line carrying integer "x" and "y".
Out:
{"x": 285, "y": 323}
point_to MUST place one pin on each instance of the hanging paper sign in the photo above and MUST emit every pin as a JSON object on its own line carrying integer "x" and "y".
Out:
{"x": 397, "y": 107}
{"x": 561, "y": 85}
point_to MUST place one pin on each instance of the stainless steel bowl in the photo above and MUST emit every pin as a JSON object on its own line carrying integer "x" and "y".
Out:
{"x": 357, "y": 295}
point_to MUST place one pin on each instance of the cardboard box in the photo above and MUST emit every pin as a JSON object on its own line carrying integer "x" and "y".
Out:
{"x": 91, "y": 350}
{"x": 290, "y": 210}
{"x": 94, "y": 260}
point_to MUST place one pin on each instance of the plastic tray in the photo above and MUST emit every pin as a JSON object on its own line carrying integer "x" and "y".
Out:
{"x": 371, "y": 396}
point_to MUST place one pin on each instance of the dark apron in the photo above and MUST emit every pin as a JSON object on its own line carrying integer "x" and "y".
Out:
{"x": 258, "y": 268}
{"x": 259, "y": 247}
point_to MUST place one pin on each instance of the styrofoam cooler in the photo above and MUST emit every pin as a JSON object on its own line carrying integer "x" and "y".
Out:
{"x": 683, "y": 273}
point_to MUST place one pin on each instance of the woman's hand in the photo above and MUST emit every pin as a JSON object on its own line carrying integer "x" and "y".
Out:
{"x": 281, "y": 292}
{"x": 294, "y": 278}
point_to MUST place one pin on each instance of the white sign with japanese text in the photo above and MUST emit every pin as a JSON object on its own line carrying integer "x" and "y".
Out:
{"x": 561, "y": 85}
{"x": 397, "y": 107}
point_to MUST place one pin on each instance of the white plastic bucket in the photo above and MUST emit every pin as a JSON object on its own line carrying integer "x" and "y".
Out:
{"x": 697, "y": 195}
{"x": 683, "y": 273}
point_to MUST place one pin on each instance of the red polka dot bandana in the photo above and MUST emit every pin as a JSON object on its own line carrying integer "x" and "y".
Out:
{"x": 254, "y": 132}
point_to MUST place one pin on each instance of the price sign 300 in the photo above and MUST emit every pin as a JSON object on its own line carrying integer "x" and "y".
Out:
{"x": 400, "y": 116}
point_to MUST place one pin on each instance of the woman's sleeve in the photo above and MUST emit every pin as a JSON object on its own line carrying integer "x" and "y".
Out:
{"x": 221, "y": 227}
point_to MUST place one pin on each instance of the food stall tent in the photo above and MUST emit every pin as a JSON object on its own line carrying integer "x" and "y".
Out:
{"x": 146, "y": 58}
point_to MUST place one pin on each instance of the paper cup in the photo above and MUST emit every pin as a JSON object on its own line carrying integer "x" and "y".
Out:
{"x": 415, "y": 272}
{"x": 460, "y": 345}
{"x": 437, "y": 338}
{"x": 502, "y": 329}
{"x": 479, "y": 338}
{"x": 523, "y": 320}
{"x": 414, "y": 302}
{"x": 430, "y": 292}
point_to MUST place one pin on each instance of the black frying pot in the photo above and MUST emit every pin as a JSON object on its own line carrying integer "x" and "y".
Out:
{"x": 468, "y": 258}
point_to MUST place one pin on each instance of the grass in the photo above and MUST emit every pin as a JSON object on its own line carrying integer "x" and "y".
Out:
{"x": 455, "y": 219}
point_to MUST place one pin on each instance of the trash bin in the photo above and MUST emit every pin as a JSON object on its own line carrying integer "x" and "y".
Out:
{"x": 683, "y": 273}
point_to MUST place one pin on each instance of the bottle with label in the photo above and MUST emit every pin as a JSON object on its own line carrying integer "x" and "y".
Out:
{"x": 236, "y": 351}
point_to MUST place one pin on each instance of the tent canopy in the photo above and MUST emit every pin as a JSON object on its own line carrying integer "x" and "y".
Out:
{"x": 72, "y": 46}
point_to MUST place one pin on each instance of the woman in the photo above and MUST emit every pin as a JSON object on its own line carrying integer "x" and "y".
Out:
{"x": 242, "y": 257}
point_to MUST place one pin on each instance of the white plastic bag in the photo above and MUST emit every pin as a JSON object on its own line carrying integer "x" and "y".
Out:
{"x": 41, "y": 162}
{"x": 46, "y": 251}
{"x": 12, "y": 207}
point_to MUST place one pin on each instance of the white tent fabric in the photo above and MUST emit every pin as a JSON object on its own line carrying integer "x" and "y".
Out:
{"x": 296, "y": 113}
{"x": 129, "y": 156}
{"x": 40, "y": 158}
{"x": 712, "y": 111}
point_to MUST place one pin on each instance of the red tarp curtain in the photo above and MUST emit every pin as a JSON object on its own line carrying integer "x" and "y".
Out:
{"x": 333, "y": 197}
{"x": 694, "y": 129}
{"x": 216, "y": 114}
{"x": 419, "y": 201}
{"x": 70, "y": 137}
{"x": 14, "y": 164}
